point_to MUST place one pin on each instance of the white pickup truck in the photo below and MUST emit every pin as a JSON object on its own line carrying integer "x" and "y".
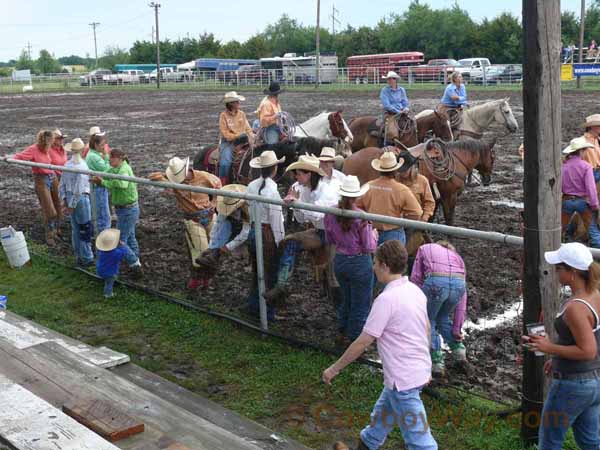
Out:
{"x": 125, "y": 77}
{"x": 168, "y": 74}
{"x": 472, "y": 67}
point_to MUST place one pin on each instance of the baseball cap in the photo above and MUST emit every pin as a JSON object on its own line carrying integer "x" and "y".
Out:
{"x": 573, "y": 254}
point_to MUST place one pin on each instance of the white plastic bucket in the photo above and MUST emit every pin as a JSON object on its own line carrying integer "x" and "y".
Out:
{"x": 16, "y": 249}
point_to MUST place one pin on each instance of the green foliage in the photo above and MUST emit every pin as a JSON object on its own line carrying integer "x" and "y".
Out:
{"x": 24, "y": 62}
{"x": 47, "y": 64}
{"x": 74, "y": 60}
{"x": 113, "y": 55}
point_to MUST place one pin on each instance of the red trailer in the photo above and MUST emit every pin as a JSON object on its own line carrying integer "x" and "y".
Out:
{"x": 370, "y": 68}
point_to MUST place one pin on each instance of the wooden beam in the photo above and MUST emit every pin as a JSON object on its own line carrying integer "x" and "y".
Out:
{"x": 542, "y": 186}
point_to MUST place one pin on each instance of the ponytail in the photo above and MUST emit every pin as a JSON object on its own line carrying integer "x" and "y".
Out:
{"x": 265, "y": 172}
{"x": 592, "y": 277}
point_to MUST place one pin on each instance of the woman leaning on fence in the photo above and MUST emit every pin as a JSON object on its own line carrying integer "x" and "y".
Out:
{"x": 45, "y": 182}
{"x": 97, "y": 160}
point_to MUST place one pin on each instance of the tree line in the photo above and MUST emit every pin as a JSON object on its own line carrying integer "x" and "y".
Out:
{"x": 438, "y": 33}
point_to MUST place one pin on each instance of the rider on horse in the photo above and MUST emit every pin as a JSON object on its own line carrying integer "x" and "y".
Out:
{"x": 268, "y": 112}
{"x": 455, "y": 98}
{"x": 232, "y": 124}
{"x": 393, "y": 98}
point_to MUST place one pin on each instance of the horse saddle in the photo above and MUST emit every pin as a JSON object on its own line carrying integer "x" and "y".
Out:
{"x": 375, "y": 128}
{"x": 212, "y": 157}
{"x": 454, "y": 115}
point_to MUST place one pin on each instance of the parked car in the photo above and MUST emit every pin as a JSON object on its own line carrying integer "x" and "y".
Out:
{"x": 511, "y": 73}
{"x": 472, "y": 67}
{"x": 434, "y": 70}
{"x": 131, "y": 76}
{"x": 94, "y": 77}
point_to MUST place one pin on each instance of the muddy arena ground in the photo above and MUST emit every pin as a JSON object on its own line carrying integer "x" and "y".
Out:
{"x": 155, "y": 126}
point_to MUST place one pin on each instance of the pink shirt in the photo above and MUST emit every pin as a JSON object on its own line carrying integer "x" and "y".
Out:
{"x": 34, "y": 154}
{"x": 398, "y": 320}
{"x": 358, "y": 240}
{"x": 435, "y": 258}
{"x": 58, "y": 156}
{"x": 578, "y": 180}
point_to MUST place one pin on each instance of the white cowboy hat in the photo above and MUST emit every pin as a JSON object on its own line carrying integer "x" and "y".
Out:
{"x": 96, "y": 131}
{"x": 266, "y": 159}
{"x": 233, "y": 97}
{"x": 387, "y": 163}
{"x": 177, "y": 169}
{"x": 308, "y": 163}
{"x": 328, "y": 155}
{"x": 592, "y": 121}
{"x": 108, "y": 239}
{"x": 227, "y": 205}
{"x": 351, "y": 187}
{"x": 58, "y": 133}
{"x": 75, "y": 146}
{"x": 391, "y": 74}
{"x": 577, "y": 144}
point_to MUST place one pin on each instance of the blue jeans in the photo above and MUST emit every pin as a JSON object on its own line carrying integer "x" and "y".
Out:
{"x": 597, "y": 175}
{"x": 398, "y": 234}
{"x": 579, "y": 205}
{"x": 404, "y": 409}
{"x": 82, "y": 231}
{"x": 573, "y": 403}
{"x": 271, "y": 134}
{"x": 127, "y": 219}
{"x": 225, "y": 159}
{"x": 355, "y": 276}
{"x": 108, "y": 286}
{"x": 102, "y": 208}
{"x": 443, "y": 294}
{"x": 220, "y": 232}
{"x": 287, "y": 261}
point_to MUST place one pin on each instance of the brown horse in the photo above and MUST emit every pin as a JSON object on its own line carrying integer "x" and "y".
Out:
{"x": 460, "y": 157}
{"x": 399, "y": 129}
{"x": 428, "y": 121}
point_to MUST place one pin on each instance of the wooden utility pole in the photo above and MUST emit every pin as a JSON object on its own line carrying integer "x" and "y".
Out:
{"x": 94, "y": 25}
{"x": 318, "y": 47}
{"x": 542, "y": 188}
{"x": 581, "y": 31}
{"x": 156, "y": 6}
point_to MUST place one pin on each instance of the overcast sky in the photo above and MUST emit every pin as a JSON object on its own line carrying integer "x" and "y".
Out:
{"x": 61, "y": 26}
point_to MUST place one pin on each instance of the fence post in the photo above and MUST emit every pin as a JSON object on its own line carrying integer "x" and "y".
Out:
{"x": 260, "y": 268}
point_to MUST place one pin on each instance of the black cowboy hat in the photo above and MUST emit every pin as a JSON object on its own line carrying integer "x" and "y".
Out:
{"x": 409, "y": 161}
{"x": 273, "y": 89}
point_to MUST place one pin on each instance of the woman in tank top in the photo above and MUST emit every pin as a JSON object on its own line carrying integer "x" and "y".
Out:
{"x": 574, "y": 394}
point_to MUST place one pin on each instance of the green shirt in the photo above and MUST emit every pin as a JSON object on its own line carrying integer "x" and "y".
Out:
{"x": 121, "y": 192}
{"x": 96, "y": 162}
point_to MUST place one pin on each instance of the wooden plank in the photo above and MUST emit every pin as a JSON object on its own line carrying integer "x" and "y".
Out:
{"x": 23, "y": 333}
{"x": 66, "y": 375}
{"x": 29, "y": 423}
{"x": 103, "y": 418}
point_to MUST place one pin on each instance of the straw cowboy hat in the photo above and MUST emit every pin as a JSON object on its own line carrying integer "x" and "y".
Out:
{"x": 391, "y": 74}
{"x": 233, "y": 97}
{"x": 308, "y": 163}
{"x": 387, "y": 163}
{"x": 273, "y": 89}
{"x": 266, "y": 159}
{"x": 75, "y": 146}
{"x": 96, "y": 131}
{"x": 227, "y": 205}
{"x": 328, "y": 155}
{"x": 577, "y": 144}
{"x": 592, "y": 121}
{"x": 177, "y": 169}
{"x": 351, "y": 187}
{"x": 108, "y": 239}
{"x": 58, "y": 133}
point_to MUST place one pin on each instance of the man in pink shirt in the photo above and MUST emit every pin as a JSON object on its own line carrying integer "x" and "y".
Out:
{"x": 398, "y": 320}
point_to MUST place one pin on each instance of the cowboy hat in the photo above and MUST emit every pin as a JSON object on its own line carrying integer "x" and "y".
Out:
{"x": 108, "y": 239}
{"x": 308, "y": 163}
{"x": 391, "y": 74}
{"x": 96, "y": 131}
{"x": 58, "y": 133}
{"x": 233, "y": 97}
{"x": 328, "y": 155}
{"x": 177, "y": 169}
{"x": 592, "y": 121}
{"x": 351, "y": 187}
{"x": 75, "y": 146}
{"x": 273, "y": 89}
{"x": 577, "y": 144}
{"x": 266, "y": 159}
{"x": 387, "y": 163}
{"x": 227, "y": 205}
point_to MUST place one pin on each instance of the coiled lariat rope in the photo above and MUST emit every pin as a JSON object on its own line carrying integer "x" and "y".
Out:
{"x": 286, "y": 124}
{"x": 442, "y": 168}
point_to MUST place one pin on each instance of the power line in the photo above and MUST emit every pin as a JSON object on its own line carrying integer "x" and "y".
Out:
{"x": 94, "y": 25}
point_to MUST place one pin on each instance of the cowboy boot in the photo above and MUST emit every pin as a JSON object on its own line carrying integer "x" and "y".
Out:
{"x": 209, "y": 258}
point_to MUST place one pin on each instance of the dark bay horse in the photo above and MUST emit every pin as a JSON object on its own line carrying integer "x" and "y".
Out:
{"x": 428, "y": 121}
{"x": 448, "y": 175}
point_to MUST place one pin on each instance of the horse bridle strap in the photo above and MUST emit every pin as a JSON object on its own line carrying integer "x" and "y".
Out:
{"x": 471, "y": 134}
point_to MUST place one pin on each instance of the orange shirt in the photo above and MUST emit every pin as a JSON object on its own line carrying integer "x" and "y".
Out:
{"x": 422, "y": 192}
{"x": 592, "y": 155}
{"x": 232, "y": 125}
{"x": 267, "y": 111}
{"x": 192, "y": 202}
{"x": 388, "y": 197}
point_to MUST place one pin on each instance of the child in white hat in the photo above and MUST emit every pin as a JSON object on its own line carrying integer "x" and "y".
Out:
{"x": 111, "y": 251}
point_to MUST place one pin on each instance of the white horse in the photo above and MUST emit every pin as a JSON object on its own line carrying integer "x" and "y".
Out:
{"x": 326, "y": 125}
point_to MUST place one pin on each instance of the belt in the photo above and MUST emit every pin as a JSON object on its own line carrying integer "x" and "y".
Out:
{"x": 447, "y": 275}
{"x": 353, "y": 256}
{"x": 130, "y": 205}
{"x": 572, "y": 197}
{"x": 589, "y": 375}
